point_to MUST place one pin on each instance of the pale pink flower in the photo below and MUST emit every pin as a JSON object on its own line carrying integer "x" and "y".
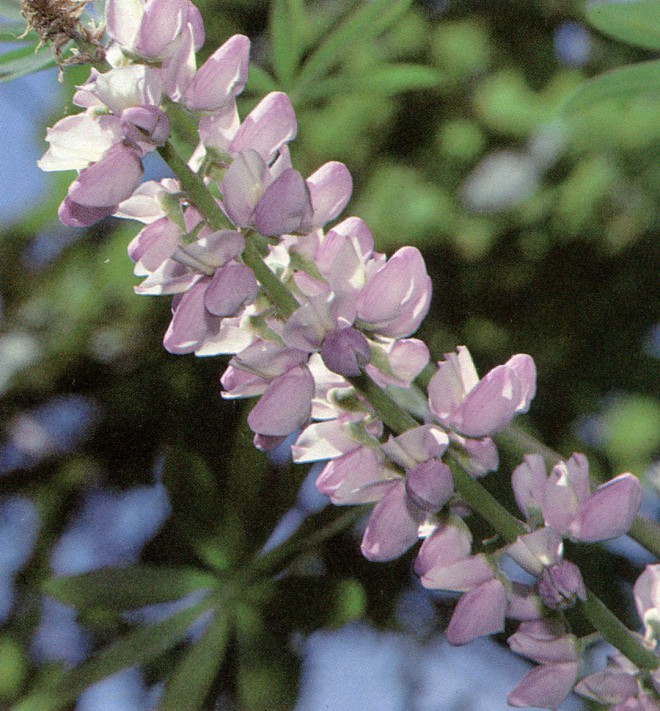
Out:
{"x": 566, "y": 504}
{"x": 477, "y": 408}
{"x": 557, "y": 653}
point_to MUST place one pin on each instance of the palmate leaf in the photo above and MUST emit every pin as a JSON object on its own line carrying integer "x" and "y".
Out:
{"x": 386, "y": 80}
{"x": 367, "y": 22}
{"x": 287, "y": 23}
{"x": 24, "y": 60}
{"x": 193, "y": 677}
{"x": 139, "y": 646}
{"x": 128, "y": 588}
{"x": 636, "y": 23}
{"x": 624, "y": 84}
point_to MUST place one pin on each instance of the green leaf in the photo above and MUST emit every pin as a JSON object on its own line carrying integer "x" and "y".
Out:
{"x": 139, "y": 646}
{"x": 24, "y": 60}
{"x": 192, "y": 679}
{"x": 624, "y": 83}
{"x": 636, "y": 23}
{"x": 128, "y": 588}
{"x": 260, "y": 81}
{"x": 367, "y": 22}
{"x": 287, "y": 22}
{"x": 387, "y": 80}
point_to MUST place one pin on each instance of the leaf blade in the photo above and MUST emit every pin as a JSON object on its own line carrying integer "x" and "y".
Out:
{"x": 367, "y": 22}
{"x": 24, "y": 60}
{"x": 636, "y": 23}
{"x": 139, "y": 646}
{"x": 193, "y": 677}
{"x": 624, "y": 83}
{"x": 128, "y": 588}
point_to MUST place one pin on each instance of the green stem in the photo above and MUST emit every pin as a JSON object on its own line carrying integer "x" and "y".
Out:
{"x": 392, "y": 414}
{"x": 284, "y": 300}
{"x": 197, "y": 191}
{"x": 617, "y": 634}
{"x": 488, "y": 507}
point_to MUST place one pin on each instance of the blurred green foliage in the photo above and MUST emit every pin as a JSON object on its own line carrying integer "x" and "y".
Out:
{"x": 539, "y": 226}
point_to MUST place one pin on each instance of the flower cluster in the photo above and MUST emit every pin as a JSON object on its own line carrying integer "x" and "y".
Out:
{"x": 313, "y": 317}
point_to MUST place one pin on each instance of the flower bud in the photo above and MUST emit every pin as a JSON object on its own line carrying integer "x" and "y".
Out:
{"x": 345, "y": 352}
{"x": 560, "y": 585}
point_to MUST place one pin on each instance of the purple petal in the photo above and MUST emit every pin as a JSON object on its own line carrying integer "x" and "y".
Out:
{"x": 396, "y": 299}
{"x": 430, "y": 484}
{"x": 270, "y": 125}
{"x": 608, "y": 687}
{"x": 161, "y": 24}
{"x": 108, "y": 182}
{"x": 392, "y": 527}
{"x": 490, "y": 406}
{"x": 561, "y": 585}
{"x": 479, "y": 612}
{"x": 359, "y": 477}
{"x": 461, "y": 576}
{"x": 544, "y": 641}
{"x": 190, "y": 323}
{"x": 74, "y": 215}
{"x": 345, "y": 351}
{"x": 446, "y": 546}
{"x": 545, "y": 686}
{"x": 609, "y": 512}
{"x": 285, "y": 406}
{"x": 330, "y": 189}
{"x": 232, "y": 287}
{"x": 222, "y": 76}
{"x": 285, "y": 205}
